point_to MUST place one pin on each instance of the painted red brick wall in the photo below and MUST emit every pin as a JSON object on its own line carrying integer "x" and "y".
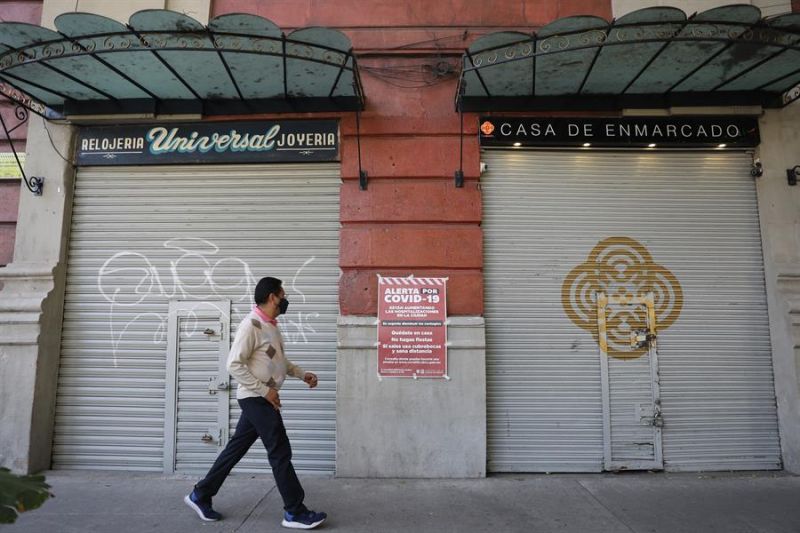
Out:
{"x": 9, "y": 201}
{"x": 411, "y": 219}
{"x": 796, "y": 6}
{"x": 19, "y": 11}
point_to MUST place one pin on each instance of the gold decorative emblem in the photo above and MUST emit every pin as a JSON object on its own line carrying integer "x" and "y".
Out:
{"x": 621, "y": 267}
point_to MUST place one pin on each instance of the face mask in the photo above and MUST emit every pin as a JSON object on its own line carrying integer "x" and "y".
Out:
{"x": 283, "y": 306}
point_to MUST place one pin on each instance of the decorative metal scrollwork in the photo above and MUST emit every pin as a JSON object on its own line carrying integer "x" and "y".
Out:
{"x": 635, "y": 33}
{"x": 22, "y": 115}
{"x": 54, "y": 50}
{"x": 334, "y": 58}
{"x": 35, "y": 184}
{"x": 300, "y": 51}
{"x": 74, "y": 79}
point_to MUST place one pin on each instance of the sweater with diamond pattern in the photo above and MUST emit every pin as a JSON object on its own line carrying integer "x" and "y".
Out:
{"x": 257, "y": 360}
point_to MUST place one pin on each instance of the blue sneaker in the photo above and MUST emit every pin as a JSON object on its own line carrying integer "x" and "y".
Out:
{"x": 203, "y": 509}
{"x": 307, "y": 520}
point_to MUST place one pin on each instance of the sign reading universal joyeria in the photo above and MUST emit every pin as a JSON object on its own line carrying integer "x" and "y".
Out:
{"x": 209, "y": 142}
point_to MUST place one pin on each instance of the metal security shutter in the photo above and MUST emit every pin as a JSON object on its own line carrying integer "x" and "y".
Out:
{"x": 696, "y": 213}
{"x": 142, "y": 236}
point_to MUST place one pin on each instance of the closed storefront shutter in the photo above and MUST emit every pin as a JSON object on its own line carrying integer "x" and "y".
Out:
{"x": 560, "y": 226}
{"x": 144, "y": 236}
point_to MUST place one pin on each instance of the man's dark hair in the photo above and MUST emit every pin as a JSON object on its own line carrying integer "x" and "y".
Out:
{"x": 265, "y": 287}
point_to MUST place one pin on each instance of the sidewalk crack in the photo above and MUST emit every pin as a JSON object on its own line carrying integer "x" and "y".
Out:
{"x": 246, "y": 518}
{"x": 604, "y": 506}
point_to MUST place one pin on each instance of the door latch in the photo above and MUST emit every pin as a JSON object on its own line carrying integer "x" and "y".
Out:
{"x": 658, "y": 420}
{"x": 207, "y": 438}
{"x": 641, "y": 338}
{"x": 649, "y": 414}
{"x": 214, "y": 385}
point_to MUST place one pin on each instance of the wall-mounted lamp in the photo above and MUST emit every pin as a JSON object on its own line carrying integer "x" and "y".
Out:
{"x": 458, "y": 175}
{"x": 362, "y": 174}
{"x": 757, "y": 170}
{"x": 792, "y": 173}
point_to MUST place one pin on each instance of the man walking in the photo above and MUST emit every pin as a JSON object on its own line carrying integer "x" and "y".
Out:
{"x": 258, "y": 363}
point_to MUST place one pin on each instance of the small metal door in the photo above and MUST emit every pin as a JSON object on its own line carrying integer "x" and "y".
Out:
{"x": 198, "y": 385}
{"x": 632, "y": 418}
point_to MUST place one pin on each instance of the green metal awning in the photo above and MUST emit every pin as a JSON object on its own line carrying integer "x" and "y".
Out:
{"x": 166, "y": 62}
{"x": 650, "y": 58}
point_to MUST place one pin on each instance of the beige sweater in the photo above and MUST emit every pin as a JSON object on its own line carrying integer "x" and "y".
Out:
{"x": 257, "y": 360}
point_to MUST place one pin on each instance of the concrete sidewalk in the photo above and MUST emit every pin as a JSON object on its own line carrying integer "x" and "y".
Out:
{"x": 629, "y": 502}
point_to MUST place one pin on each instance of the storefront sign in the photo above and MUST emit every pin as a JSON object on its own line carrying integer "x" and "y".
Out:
{"x": 412, "y": 330}
{"x": 26, "y": 101}
{"x": 8, "y": 165}
{"x": 676, "y": 132}
{"x": 791, "y": 95}
{"x": 210, "y": 142}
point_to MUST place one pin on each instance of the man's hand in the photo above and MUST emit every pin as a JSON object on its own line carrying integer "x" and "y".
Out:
{"x": 274, "y": 399}
{"x": 310, "y": 379}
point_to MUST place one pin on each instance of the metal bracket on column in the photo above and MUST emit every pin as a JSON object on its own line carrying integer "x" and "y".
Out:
{"x": 362, "y": 174}
{"x": 459, "y": 174}
{"x": 791, "y": 175}
{"x": 35, "y": 184}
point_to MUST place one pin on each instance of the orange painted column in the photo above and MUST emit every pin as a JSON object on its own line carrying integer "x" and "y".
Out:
{"x": 411, "y": 219}
{"x": 9, "y": 202}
